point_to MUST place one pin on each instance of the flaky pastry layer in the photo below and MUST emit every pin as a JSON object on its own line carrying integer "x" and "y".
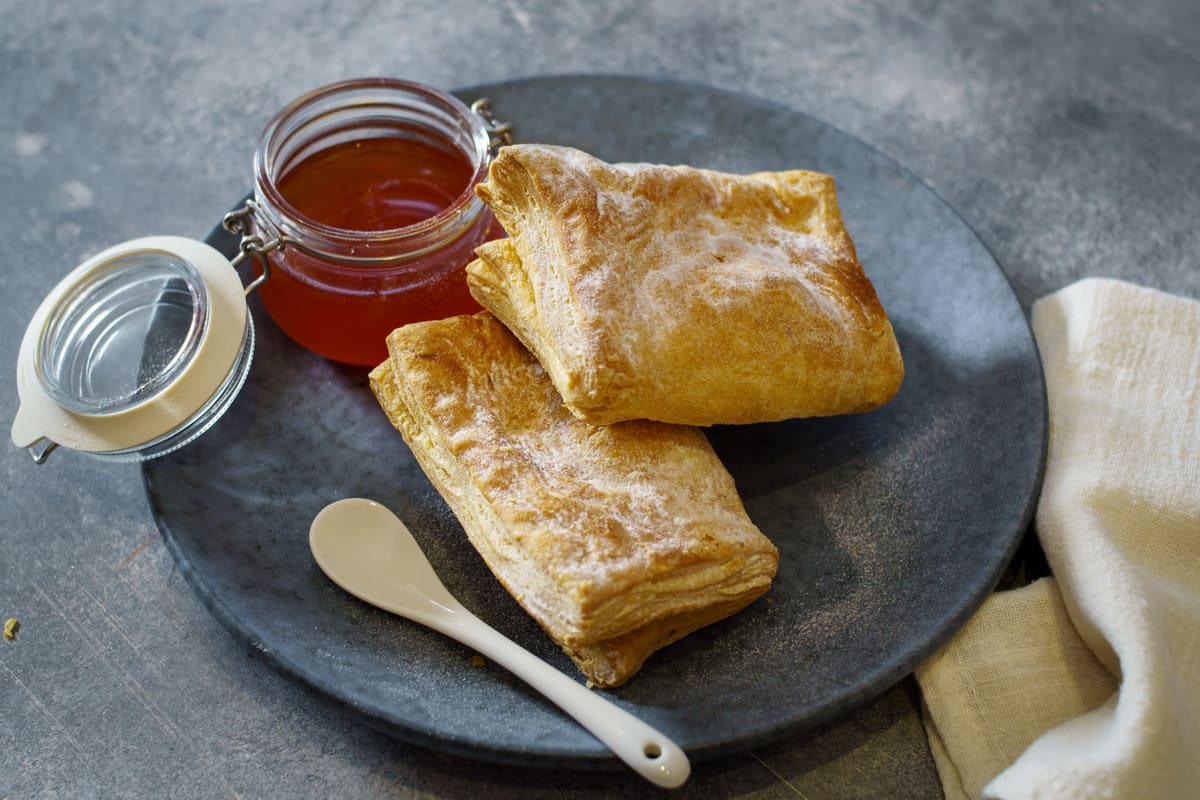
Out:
{"x": 617, "y": 540}
{"x": 680, "y": 294}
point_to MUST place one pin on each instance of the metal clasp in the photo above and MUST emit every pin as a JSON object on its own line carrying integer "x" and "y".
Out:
{"x": 236, "y": 222}
{"x": 40, "y": 449}
{"x": 501, "y": 132}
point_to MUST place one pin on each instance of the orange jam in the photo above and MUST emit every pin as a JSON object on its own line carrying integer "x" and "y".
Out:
{"x": 372, "y": 191}
{"x": 376, "y": 184}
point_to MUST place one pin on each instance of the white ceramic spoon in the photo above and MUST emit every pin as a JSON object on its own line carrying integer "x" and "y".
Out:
{"x": 365, "y": 549}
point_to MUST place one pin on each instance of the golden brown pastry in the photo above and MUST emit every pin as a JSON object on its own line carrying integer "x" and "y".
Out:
{"x": 618, "y": 540}
{"x": 681, "y": 294}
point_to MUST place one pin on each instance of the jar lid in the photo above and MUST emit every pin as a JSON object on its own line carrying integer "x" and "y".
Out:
{"x": 134, "y": 353}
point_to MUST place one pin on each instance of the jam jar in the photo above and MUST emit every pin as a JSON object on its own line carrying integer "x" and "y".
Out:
{"x": 364, "y": 197}
{"x": 363, "y": 218}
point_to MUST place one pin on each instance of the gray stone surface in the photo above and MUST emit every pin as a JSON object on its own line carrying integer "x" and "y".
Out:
{"x": 1067, "y": 134}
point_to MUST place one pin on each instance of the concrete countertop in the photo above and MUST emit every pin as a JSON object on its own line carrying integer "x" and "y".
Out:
{"x": 1066, "y": 134}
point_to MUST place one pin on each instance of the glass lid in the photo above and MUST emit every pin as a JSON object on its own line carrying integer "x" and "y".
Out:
{"x": 135, "y": 352}
{"x": 123, "y": 333}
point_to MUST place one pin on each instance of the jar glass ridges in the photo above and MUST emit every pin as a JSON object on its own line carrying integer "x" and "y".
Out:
{"x": 339, "y": 289}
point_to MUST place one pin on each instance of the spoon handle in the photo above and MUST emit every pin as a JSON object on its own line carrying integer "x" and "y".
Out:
{"x": 646, "y": 750}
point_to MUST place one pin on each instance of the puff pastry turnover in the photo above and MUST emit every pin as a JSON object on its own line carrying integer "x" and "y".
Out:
{"x": 618, "y": 540}
{"x": 681, "y": 294}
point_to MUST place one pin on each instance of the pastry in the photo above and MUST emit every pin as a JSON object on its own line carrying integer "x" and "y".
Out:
{"x": 618, "y": 540}
{"x": 681, "y": 294}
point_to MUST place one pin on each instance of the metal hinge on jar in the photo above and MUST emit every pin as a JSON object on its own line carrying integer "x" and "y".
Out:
{"x": 501, "y": 132}
{"x": 237, "y": 223}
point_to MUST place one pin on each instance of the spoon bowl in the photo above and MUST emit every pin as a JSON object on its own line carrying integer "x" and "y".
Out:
{"x": 367, "y": 550}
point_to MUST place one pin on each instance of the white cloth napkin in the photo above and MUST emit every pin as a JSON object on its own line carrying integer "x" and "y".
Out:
{"x": 1087, "y": 684}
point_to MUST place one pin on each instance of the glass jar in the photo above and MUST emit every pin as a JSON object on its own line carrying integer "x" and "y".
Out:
{"x": 356, "y": 255}
{"x": 143, "y": 347}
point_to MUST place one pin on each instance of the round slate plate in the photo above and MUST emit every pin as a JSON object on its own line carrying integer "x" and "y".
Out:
{"x": 892, "y": 526}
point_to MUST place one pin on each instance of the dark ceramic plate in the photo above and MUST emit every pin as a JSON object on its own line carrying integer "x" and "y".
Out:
{"x": 892, "y": 526}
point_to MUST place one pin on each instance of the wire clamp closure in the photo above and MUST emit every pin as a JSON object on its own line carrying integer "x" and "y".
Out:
{"x": 251, "y": 245}
{"x": 501, "y": 132}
